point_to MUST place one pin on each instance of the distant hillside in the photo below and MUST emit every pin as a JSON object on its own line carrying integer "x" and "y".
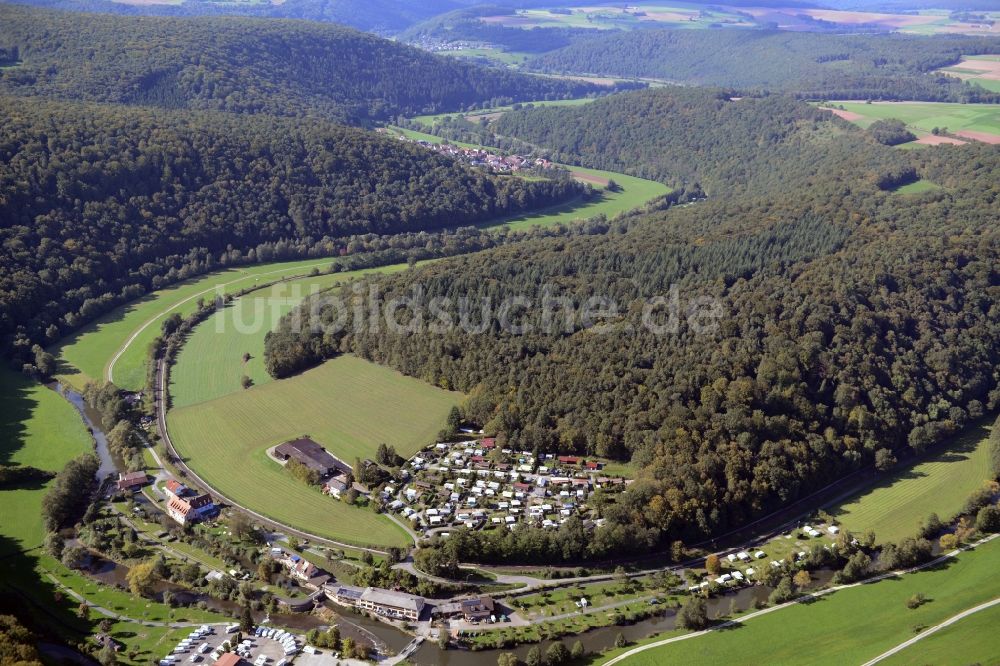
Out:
{"x": 697, "y": 136}
{"x": 811, "y": 65}
{"x": 279, "y": 67}
{"x": 379, "y": 16}
{"x": 101, "y": 203}
{"x": 465, "y": 25}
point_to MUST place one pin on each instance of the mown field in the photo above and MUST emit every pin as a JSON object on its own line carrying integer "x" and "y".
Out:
{"x": 633, "y": 192}
{"x": 922, "y": 117}
{"x": 983, "y": 70}
{"x": 37, "y": 428}
{"x": 940, "y": 483}
{"x": 849, "y": 626}
{"x": 210, "y": 365}
{"x": 972, "y": 640}
{"x": 88, "y": 354}
{"x": 349, "y": 405}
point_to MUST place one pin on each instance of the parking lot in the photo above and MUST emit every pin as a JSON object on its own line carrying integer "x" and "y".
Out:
{"x": 204, "y": 647}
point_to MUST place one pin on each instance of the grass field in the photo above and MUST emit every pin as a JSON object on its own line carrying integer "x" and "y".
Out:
{"x": 38, "y": 428}
{"x": 917, "y": 187}
{"x": 495, "y": 55}
{"x": 633, "y": 193}
{"x": 922, "y": 117}
{"x": 940, "y": 483}
{"x": 972, "y": 639}
{"x": 210, "y": 365}
{"x": 347, "y": 404}
{"x": 849, "y": 626}
{"x": 430, "y": 120}
{"x": 88, "y": 354}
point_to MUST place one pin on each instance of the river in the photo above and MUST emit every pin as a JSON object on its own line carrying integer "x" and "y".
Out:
{"x": 92, "y": 420}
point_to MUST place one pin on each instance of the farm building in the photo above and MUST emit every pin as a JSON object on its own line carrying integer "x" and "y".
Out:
{"x": 312, "y": 455}
{"x": 131, "y": 481}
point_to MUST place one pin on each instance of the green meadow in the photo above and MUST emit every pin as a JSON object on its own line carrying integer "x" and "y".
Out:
{"x": 917, "y": 187}
{"x": 89, "y": 354}
{"x": 939, "y": 483}
{"x": 852, "y": 625}
{"x": 37, "y": 428}
{"x": 971, "y": 640}
{"x": 925, "y": 116}
{"x": 347, "y": 404}
{"x": 210, "y": 364}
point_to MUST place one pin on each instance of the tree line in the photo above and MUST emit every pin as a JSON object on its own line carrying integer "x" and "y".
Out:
{"x": 810, "y": 65}
{"x": 277, "y": 67}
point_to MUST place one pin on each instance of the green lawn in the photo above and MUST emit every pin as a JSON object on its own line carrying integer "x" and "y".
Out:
{"x": 210, "y": 365}
{"x": 633, "y": 193}
{"x": 971, "y": 640}
{"x": 848, "y": 626}
{"x": 563, "y": 600}
{"x": 38, "y": 428}
{"x": 939, "y": 483}
{"x": 88, "y": 354}
{"x": 349, "y": 405}
{"x": 918, "y": 187}
{"x": 925, "y": 116}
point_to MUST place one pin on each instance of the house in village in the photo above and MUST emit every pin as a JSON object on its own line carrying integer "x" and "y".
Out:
{"x": 188, "y": 510}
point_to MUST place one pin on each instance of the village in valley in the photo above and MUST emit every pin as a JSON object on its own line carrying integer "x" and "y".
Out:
{"x": 495, "y": 162}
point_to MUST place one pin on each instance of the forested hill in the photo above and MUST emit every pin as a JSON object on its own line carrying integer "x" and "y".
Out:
{"x": 279, "y": 67}
{"x": 815, "y": 66}
{"x": 379, "y": 16}
{"x": 699, "y": 136}
{"x": 852, "y": 319}
{"x": 98, "y": 203}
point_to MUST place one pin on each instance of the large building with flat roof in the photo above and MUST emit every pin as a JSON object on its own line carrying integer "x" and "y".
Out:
{"x": 396, "y": 605}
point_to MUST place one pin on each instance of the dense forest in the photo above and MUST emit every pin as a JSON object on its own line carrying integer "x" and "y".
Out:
{"x": 700, "y": 137}
{"x": 853, "y": 319}
{"x": 99, "y": 201}
{"x": 813, "y": 66}
{"x": 290, "y": 68}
